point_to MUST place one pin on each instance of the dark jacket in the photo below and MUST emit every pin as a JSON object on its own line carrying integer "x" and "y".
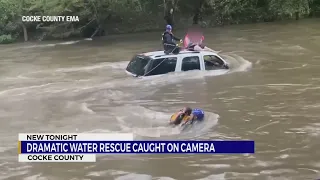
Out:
{"x": 169, "y": 38}
{"x": 169, "y": 45}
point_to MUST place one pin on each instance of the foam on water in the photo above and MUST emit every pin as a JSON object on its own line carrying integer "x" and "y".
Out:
{"x": 123, "y": 175}
{"x": 100, "y": 82}
{"x": 51, "y": 45}
{"x": 68, "y": 98}
{"x": 106, "y": 90}
{"x": 215, "y": 177}
{"x": 114, "y": 65}
{"x": 237, "y": 64}
{"x": 144, "y": 122}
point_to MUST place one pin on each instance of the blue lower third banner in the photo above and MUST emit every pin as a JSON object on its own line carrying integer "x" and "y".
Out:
{"x": 134, "y": 147}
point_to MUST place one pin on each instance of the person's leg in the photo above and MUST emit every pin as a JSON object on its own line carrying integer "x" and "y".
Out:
{"x": 208, "y": 49}
{"x": 190, "y": 48}
{"x": 176, "y": 50}
{"x": 197, "y": 48}
{"x": 166, "y": 49}
{"x": 169, "y": 48}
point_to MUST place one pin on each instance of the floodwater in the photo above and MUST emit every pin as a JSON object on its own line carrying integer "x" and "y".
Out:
{"x": 271, "y": 95}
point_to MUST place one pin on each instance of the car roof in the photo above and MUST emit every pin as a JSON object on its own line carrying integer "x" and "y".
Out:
{"x": 157, "y": 54}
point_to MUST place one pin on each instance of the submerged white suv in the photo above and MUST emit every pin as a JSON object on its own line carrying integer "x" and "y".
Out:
{"x": 157, "y": 62}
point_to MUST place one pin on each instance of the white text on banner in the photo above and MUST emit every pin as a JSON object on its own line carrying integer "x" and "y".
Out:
{"x": 76, "y": 137}
{"x": 57, "y": 158}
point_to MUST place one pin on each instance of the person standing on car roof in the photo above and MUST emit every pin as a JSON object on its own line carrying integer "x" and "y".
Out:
{"x": 169, "y": 41}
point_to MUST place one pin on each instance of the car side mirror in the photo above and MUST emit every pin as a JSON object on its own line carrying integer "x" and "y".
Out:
{"x": 226, "y": 66}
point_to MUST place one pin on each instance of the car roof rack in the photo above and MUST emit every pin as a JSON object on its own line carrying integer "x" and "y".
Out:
{"x": 193, "y": 52}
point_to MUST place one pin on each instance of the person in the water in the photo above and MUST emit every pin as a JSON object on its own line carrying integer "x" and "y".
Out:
{"x": 185, "y": 115}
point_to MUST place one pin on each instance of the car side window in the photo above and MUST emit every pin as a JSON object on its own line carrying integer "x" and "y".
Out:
{"x": 162, "y": 66}
{"x": 190, "y": 63}
{"x": 212, "y": 62}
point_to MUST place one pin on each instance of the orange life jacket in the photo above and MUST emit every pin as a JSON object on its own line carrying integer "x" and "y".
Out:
{"x": 176, "y": 115}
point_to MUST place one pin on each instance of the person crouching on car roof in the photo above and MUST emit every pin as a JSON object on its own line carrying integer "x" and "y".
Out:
{"x": 193, "y": 41}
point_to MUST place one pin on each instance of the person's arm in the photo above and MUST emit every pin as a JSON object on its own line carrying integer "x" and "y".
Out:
{"x": 175, "y": 38}
{"x": 186, "y": 120}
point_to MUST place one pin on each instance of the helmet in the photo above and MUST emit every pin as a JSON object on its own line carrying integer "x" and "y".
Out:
{"x": 198, "y": 113}
{"x": 168, "y": 27}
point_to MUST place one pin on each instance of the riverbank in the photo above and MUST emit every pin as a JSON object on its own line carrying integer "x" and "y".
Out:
{"x": 179, "y": 31}
{"x": 102, "y": 18}
{"x": 123, "y": 30}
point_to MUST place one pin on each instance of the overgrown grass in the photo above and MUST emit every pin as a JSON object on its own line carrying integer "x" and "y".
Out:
{"x": 6, "y": 39}
{"x": 125, "y": 16}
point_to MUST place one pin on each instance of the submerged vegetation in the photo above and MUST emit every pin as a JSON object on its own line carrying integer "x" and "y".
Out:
{"x": 102, "y": 17}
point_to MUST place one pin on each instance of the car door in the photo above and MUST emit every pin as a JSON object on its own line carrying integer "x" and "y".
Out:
{"x": 191, "y": 62}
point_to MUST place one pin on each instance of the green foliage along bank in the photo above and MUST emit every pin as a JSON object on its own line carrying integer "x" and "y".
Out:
{"x": 103, "y": 17}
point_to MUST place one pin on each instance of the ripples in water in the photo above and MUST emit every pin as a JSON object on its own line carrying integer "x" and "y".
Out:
{"x": 273, "y": 104}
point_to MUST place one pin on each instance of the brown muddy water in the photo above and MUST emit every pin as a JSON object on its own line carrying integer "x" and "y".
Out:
{"x": 271, "y": 95}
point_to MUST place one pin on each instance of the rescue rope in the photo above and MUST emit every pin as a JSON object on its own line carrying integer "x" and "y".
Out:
{"x": 155, "y": 67}
{"x": 177, "y": 46}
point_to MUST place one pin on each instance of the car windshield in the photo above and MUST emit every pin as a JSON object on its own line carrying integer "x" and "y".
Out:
{"x": 138, "y": 64}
